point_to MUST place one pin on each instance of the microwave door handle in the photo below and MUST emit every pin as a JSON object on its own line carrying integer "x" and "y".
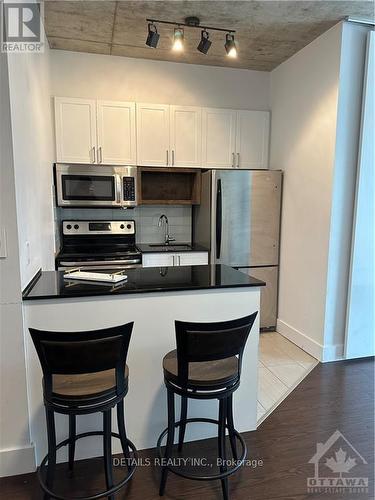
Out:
{"x": 219, "y": 213}
{"x": 118, "y": 189}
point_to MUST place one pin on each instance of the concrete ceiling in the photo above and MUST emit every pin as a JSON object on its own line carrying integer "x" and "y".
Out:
{"x": 268, "y": 32}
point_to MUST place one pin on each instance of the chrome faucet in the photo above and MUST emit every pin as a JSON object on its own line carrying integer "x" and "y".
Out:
{"x": 167, "y": 237}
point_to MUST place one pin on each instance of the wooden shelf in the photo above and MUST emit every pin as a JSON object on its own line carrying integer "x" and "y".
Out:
{"x": 169, "y": 186}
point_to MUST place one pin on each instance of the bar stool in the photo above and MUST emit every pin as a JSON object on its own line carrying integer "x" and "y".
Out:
{"x": 206, "y": 365}
{"x": 83, "y": 373}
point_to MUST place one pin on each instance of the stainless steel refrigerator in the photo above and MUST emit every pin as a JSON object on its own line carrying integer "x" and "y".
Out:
{"x": 239, "y": 221}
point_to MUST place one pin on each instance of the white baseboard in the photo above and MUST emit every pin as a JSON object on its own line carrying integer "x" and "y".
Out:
{"x": 17, "y": 461}
{"x": 306, "y": 343}
{"x": 311, "y": 346}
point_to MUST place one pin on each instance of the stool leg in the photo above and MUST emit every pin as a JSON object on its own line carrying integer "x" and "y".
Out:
{"x": 221, "y": 443}
{"x": 72, "y": 440}
{"x": 107, "y": 449}
{"x": 122, "y": 432}
{"x": 230, "y": 421}
{"x": 51, "y": 438}
{"x": 181, "y": 436}
{"x": 170, "y": 440}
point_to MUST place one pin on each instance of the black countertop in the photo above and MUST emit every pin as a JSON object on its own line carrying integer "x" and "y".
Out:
{"x": 172, "y": 247}
{"x": 52, "y": 285}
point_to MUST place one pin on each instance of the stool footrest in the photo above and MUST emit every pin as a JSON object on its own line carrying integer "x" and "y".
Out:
{"x": 212, "y": 477}
{"x": 95, "y": 496}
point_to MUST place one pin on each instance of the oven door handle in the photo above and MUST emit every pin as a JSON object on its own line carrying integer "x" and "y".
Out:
{"x": 106, "y": 263}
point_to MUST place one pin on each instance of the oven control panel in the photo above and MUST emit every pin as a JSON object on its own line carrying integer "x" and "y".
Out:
{"x": 87, "y": 227}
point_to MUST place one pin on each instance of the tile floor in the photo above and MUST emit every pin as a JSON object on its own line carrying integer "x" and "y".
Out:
{"x": 282, "y": 366}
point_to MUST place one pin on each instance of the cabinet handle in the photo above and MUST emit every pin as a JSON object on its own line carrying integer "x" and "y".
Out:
{"x": 173, "y": 260}
{"x": 167, "y": 157}
{"x": 172, "y": 156}
{"x": 238, "y": 160}
{"x": 233, "y": 160}
{"x": 93, "y": 154}
{"x": 179, "y": 260}
{"x": 100, "y": 158}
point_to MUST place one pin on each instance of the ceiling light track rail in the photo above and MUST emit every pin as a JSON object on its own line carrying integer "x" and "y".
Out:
{"x": 190, "y": 25}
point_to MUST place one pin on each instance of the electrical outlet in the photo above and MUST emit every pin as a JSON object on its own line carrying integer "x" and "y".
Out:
{"x": 3, "y": 244}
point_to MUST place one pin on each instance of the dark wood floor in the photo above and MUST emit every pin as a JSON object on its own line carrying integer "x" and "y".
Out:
{"x": 334, "y": 396}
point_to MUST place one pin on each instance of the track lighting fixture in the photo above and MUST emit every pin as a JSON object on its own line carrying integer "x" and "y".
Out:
{"x": 205, "y": 44}
{"x": 178, "y": 35}
{"x": 230, "y": 45}
{"x": 153, "y": 36}
{"x": 178, "y": 40}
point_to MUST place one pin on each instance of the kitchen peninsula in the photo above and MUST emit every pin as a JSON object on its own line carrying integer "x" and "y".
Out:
{"x": 153, "y": 298}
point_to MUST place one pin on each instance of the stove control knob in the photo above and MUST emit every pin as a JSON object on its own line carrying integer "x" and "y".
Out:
{"x": 76, "y": 226}
{"x": 122, "y": 226}
{"x": 69, "y": 226}
{"x": 129, "y": 226}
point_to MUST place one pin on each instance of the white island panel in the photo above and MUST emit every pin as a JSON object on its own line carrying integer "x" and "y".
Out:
{"x": 153, "y": 336}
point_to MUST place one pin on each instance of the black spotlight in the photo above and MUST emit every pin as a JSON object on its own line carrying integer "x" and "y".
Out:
{"x": 230, "y": 45}
{"x": 153, "y": 36}
{"x": 205, "y": 44}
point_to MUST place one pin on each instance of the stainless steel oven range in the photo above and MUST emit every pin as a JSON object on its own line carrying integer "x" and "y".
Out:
{"x": 94, "y": 245}
{"x": 96, "y": 186}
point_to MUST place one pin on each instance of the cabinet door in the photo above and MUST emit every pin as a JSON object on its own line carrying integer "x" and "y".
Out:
{"x": 192, "y": 259}
{"x": 153, "y": 135}
{"x": 161, "y": 259}
{"x": 75, "y": 121}
{"x": 116, "y": 133}
{"x": 252, "y": 139}
{"x": 186, "y": 136}
{"x": 218, "y": 137}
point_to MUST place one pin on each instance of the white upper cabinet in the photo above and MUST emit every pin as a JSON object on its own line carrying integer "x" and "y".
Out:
{"x": 185, "y": 136}
{"x": 75, "y": 130}
{"x": 153, "y": 135}
{"x": 159, "y": 135}
{"x": 116, "y": 133}
{"x": 218, "y": 137}
{"x": 252, "y": 139}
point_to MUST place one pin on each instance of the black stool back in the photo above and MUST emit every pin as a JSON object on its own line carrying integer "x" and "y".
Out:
{"x": 72, "y": 353}
{"x": 199, "y": 342}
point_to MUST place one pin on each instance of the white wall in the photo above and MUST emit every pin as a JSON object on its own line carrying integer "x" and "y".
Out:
{"x": 33, "y": 151}
{"x": 304, "y": 92}
{"x": 16, "y": 453}
{"x": 360, "y": 339}
{"x": 352, "y": 65}
{"x": 316, "y": 103}
{"x": 75, "y": 74}
{"x": 27, "y": 156}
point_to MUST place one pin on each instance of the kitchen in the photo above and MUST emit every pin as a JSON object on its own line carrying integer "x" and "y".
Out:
{"x": 185, "y": 178}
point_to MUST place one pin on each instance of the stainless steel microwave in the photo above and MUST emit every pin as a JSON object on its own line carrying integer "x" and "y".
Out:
{"x": 95, "y": 186}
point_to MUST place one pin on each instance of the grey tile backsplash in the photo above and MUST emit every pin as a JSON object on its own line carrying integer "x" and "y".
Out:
{"x": 146, "y": 220}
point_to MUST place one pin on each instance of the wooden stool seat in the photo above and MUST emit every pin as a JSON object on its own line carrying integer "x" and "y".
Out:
{"x": 220, "y": 372}
{"x": 86, "y": 384}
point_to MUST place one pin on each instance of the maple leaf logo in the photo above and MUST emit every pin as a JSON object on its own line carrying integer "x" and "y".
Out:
{"x": 340, "y": 463}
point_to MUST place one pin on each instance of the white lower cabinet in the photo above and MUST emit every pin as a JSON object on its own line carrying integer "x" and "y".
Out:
{"x": 166, "y": 259}
{"x": 192, "y": 259}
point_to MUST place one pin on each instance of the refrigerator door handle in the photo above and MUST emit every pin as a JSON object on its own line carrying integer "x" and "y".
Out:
{"x": 219, "y": 213}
